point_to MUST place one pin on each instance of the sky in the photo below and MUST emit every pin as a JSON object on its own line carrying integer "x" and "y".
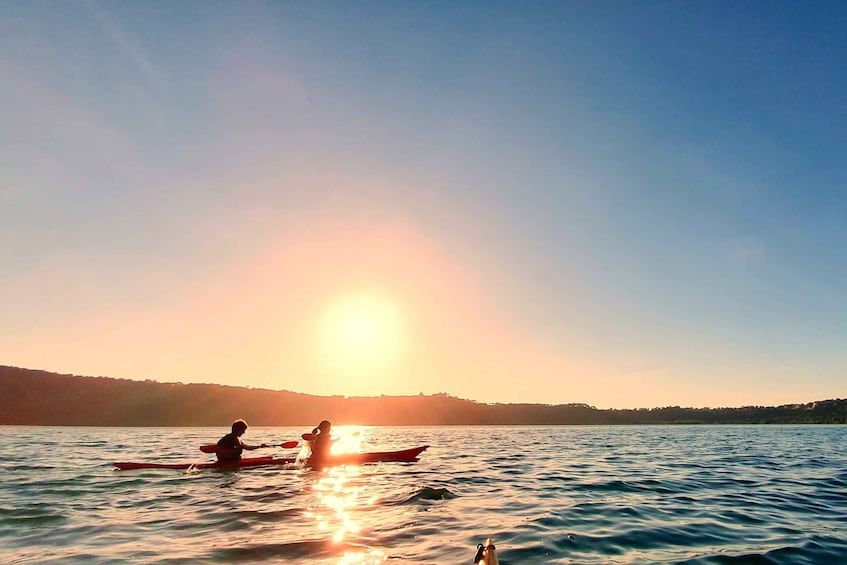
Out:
{"x": 626, "y": 204}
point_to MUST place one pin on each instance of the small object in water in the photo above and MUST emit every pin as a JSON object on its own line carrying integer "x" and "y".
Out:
{"x": 486, "y": 554}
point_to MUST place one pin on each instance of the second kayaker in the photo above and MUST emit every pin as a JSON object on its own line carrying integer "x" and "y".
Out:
{"x": 230, "y": 446}
{"x": 321, "y": 442}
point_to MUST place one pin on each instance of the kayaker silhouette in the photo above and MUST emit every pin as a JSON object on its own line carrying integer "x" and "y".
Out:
{"x": 319, "y": 440}
{"x": 230, "y": 446}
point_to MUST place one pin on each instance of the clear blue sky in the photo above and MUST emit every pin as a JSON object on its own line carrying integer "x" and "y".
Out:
{"x": 620, "y": 203}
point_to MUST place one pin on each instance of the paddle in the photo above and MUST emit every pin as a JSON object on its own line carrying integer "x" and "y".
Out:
{"x": 213, "y": 448}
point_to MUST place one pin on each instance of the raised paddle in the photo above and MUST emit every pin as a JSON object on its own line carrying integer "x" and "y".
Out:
{"x": 213, "y": 448}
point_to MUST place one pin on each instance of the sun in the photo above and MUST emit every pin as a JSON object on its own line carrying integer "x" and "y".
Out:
{"x": 361, "y": 334}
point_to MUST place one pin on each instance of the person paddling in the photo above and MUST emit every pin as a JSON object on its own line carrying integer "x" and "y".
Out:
{"x": 230, "y": 446}
{"x": 321, "y": 443}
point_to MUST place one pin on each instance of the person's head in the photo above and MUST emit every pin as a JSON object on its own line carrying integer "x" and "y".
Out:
{"x": 324, "y": 427}
{"x": 239, "y": 427}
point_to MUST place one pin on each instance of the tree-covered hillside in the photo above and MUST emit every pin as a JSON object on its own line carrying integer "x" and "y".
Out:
{"x": 31, "y": 397}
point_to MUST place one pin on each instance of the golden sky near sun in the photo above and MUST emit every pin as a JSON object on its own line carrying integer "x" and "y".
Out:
{"x": 351, "y": 310}
{"x": 340, "y": 307}
{"x": 348, "y": 310}
{"x": 327, "y": 302}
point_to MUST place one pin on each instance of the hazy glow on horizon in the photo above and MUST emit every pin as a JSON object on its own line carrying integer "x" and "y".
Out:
{"x": 624, "y": 205}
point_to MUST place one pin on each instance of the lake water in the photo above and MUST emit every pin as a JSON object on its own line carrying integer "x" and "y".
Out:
{"x": 658, "y": 494}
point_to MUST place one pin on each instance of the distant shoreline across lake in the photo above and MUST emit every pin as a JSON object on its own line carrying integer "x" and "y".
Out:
{"x": 33, "y": 397}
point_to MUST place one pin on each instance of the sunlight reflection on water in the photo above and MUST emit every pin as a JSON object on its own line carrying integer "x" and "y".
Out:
{"x": 338, "y": 499}
{"x": 340, "y": 492}
{"x": 371, "y": 557}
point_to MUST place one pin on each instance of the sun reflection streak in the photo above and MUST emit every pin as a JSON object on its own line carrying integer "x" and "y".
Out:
{"x": 354, "y": 558}
{"x": 340, "y": 491}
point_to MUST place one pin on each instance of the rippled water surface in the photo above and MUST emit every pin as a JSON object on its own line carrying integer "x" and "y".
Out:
{"x": 690, "y": 494}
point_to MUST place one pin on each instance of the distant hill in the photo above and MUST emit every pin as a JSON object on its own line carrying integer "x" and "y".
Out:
{"x": 31, "y": 397}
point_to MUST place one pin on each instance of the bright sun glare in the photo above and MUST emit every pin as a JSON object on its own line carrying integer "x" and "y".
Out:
{"x": 361, "y": 335}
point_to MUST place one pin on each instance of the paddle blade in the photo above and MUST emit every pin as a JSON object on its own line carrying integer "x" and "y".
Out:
{"x": 289, "y": 445}
{"x": 309, "y": 437}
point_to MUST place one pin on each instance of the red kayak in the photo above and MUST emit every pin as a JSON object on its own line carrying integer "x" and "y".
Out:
{"x": 406, "y": 455}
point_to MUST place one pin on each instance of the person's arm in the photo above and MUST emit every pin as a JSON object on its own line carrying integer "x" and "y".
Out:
{"x": 252, "y": 447}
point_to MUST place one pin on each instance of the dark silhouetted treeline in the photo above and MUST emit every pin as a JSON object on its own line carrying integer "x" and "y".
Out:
{"x": 29, "y": 397}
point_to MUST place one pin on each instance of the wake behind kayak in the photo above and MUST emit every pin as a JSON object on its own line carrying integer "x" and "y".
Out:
{"x": 405, "y": 455}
